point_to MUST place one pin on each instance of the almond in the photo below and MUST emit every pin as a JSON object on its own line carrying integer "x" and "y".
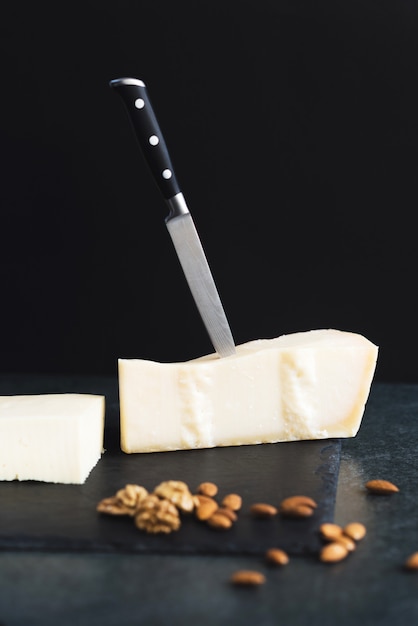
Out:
{"x": 381, "y": 487}
{"x": 330, "y": 531}
{"x": 229, "y": 513}
{"x": 261, "y": 509}
{"x": 411, "y": 562}
{"x": 297, "y": 506}
{"x": 201, "y": 499}
{"x": 248, "y": 578}
{"x": 297, "y": 500}
{"x": 219, "y": 521}
{"x": 208, "y": 489}
{"x": 348, "y": 543}
{"x": 206, "y": 509}
{"x": 355, "y": 530}
{"x": 232, "y": 501}
{"x": 333, "y": 552}
{"x": 276, "y": 556}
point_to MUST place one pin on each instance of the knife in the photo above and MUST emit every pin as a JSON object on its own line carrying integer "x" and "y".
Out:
{"x": 179, "y": 221}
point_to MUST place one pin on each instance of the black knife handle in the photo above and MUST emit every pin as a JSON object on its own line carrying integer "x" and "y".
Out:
{"x": 135, "y": 96}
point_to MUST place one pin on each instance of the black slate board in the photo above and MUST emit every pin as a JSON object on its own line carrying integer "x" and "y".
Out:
{"x": 42, "y": 516}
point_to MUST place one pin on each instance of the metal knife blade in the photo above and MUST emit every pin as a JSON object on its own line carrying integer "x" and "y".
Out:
{"x": 179, "y": 221}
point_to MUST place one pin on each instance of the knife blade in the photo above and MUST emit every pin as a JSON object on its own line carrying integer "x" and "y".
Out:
{"x": 179, "y": 221}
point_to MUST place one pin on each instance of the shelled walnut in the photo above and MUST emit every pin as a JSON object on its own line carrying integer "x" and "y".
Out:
{"x": 157, "y": 515}
{"x": 125, "y": 502}
{"x": 178, "y": 493}
{"x": 132, "y": 495}
{"x": 113, "y": 506}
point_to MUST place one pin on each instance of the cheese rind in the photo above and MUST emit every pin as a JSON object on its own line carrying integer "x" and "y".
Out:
{"x": 308, "y": 385}
{"x": 55, "y": 438}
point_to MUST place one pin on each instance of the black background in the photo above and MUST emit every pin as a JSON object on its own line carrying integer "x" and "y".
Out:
{"x": 293, "y": 130}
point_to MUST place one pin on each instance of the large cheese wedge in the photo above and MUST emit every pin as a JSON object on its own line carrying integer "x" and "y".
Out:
{"x": 55, "y": 438}
{"x": 308, "y": 385}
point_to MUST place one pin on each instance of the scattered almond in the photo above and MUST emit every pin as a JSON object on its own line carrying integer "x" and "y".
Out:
{"x": 229, "y": 513}
{"x": 219, "y": 521}
{"x": 206, "y": 509}
{"x": 411, "y": 562}
{"x": 330, "y": 531}
{"x": 301, "y": 510}
{"x": 262, "y": 509}
{"x": 232, "y": 501}
{"x": 297, "y": 506}
{"x": 382, "y": 487}
{"x": 333, "y": 552}
{"x": 347, "y": 542}
{"x": 250, "y": 578}
{"x": 208, "y": 489}
{"x": 355, "y": 530}
{"x": 201, "y": 499}
{"x": 276, "y": 556}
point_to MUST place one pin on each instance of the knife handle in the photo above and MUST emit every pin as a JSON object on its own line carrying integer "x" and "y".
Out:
{"x": 135, "y": 96}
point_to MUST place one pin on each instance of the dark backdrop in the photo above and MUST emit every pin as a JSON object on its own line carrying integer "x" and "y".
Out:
{"x": 293, "y": 130}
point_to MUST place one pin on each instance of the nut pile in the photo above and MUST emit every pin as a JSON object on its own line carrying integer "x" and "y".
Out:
{"x": 160, "y": 511}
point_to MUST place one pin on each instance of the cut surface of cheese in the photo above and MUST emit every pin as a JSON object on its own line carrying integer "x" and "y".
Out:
{"x": 55, "y": 438}
{"x": 306, "y": 385}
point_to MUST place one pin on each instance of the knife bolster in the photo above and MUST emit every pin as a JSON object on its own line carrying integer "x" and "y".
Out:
{"x": 177, "y": 205}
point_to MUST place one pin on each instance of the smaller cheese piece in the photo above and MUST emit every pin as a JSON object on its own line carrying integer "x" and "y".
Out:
{"x": 56, "y": 438}
{"x": 308, "y": 385}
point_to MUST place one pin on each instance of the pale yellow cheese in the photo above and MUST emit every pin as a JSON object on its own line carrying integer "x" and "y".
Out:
{"x": 308, "y": 385}
{"x": 55, "y": 438}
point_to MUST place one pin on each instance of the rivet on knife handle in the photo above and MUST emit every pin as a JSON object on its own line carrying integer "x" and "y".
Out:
{"x": 179, "y": 221}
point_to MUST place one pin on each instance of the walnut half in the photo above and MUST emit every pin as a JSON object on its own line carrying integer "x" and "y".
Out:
{"x": 112, "y": 506}
{"x": 176, "y": 492}
{"x": 157, "y": 515}
{"x": 125, "y": 502}
{"x": 132, "y": 495}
